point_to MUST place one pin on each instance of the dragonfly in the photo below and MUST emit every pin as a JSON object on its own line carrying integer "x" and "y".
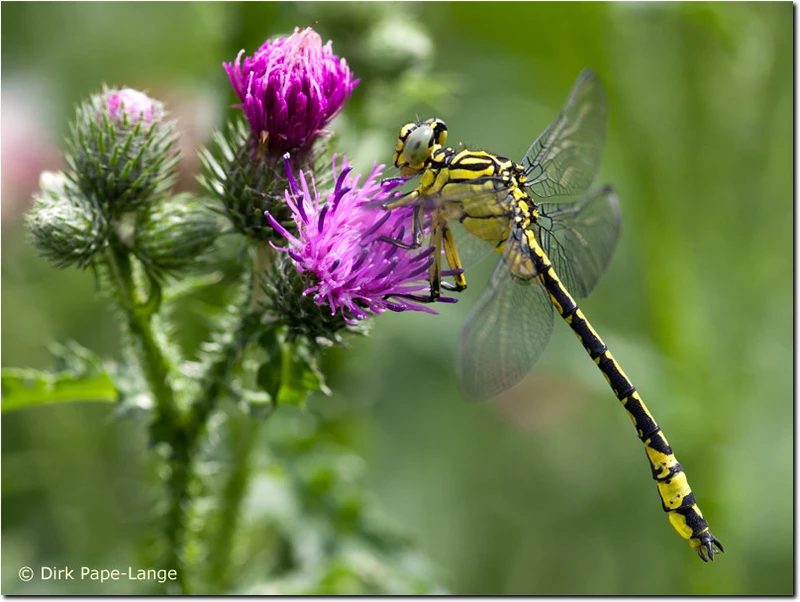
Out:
{"x": 552, "y": 251}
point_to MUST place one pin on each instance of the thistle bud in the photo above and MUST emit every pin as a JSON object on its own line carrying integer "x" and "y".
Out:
{"x": 67, "y": 228}
{"x": 248, "y": 188}
{"x": 395, "y": 46}
{"x": 173, "y": 233}
{"x": 122, "y": 150}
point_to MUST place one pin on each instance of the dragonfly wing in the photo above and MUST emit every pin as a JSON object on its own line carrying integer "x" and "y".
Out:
{"x": 471, "y": 249}
{"x": 564, "y": 159}
{"x": 482, "y": 199}
{"x": 505, "y": 333}
{"x": 580, "y": 238}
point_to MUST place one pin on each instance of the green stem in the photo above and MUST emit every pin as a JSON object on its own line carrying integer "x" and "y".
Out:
{"x": 154, "y": 362}
{"x": 166, "y": 424}
{"x": 215, "y": 381}
{"x": 244, "y": 434}
{"x": 177, "y": 492}
{"x": 183, "y": 457}
{"x": 261, "y": 261}
{"x": 216, "y": 377}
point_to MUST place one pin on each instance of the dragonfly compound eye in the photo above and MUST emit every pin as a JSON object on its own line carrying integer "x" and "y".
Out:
{"x": 418, "y": 144}
{"x": 439, "y": 131}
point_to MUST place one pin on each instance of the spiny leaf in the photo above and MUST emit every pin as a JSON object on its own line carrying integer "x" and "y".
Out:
{"x": 24, "y": 388}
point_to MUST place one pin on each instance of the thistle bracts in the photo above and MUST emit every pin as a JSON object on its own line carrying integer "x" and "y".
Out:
{"x": 122, "y": 150}
{"x": 66, "y": 227}
{"x": 174, "y": 233}
{"x": 246, "y": 187}
{"x": 303, "y": 318}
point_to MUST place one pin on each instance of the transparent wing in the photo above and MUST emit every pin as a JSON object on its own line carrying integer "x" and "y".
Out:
{"x": 580, "y": 238}
{"x": 471, "y": 249}
{"x": 505, "y": 333}
{"x": 481, "y": 204}
{"x": 477, "y": 200}
{"x": 565, "y": 157}
{"x": 474, "y": 196}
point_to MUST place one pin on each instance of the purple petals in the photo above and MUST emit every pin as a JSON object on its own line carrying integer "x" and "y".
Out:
{"x": 338, "y": 244}
{"x": 290, "y": 89}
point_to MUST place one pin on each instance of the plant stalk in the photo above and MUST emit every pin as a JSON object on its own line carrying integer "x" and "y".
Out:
{"x": 166, "y": 425}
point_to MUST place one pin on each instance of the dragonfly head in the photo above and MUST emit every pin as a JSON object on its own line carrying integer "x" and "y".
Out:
{"x": 416, "y": 144}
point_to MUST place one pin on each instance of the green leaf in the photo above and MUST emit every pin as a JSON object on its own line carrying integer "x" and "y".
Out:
{"x": 290, "y": 373}
{"x": 22, "y": 388}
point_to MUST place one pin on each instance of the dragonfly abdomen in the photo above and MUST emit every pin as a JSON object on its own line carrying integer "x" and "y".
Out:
{"x": 676, "y": 495}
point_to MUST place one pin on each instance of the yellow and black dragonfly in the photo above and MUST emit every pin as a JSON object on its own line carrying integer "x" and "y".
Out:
{"x": 550, "y": 250}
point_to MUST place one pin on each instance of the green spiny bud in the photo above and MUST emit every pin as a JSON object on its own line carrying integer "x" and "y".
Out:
{"x": 67, "y": 228}
{"x": 122, "y": 150}
{"x": 248, "y": 185}
{"x": 171, "y": 234}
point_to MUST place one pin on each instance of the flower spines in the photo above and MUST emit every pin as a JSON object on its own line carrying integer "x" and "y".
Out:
{"x": 286, "y": 304}
{"x": 245, "y": 187}
{"x": 248, "y": 187}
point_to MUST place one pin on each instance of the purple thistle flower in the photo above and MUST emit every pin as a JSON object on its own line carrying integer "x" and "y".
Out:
{"x": 290, "y": 90}
{"x": 338, "y": 244}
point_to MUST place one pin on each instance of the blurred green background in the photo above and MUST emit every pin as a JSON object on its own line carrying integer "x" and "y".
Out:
{"x": 507, "y": 497}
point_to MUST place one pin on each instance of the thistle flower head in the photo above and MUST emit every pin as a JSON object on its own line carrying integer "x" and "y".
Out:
{"x": 290, "y": 90}
{"x": 338, "y": 245}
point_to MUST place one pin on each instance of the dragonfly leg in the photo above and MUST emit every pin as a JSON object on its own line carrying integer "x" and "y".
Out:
{"x": 451, "y": 253}
{"x": 393, "y": 181}
{"x": 416, "y": 228}
{"x": 401, "y": 201}
{"x": 426, "y": 298}
{"x": 435, "y": 274}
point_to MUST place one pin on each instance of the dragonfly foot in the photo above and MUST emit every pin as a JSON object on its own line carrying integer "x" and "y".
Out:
{"x": 453, "y": 287}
